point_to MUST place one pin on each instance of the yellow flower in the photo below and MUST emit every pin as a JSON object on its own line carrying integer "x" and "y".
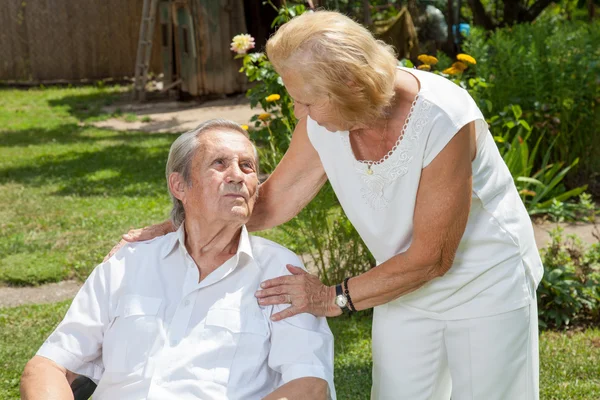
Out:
{"x": 242, "y": 43}
{"x": 272, "y": 97}
{"x": 451, "y": 71}
{"x": 264, "y": 116}
{"x": 466, "y": 58}
{"x": 424, "y": 67}
{"x": 244, "y": 127}
{"x": 459, "y": 65}
{"x": 429, "y": 60}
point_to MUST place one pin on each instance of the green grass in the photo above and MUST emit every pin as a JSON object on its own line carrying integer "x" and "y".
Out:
{"x": 68, "y": 190}
{"x": 570, "y": 367}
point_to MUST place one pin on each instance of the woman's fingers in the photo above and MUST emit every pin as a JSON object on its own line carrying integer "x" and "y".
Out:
{"x": 149, "y": 232}
{"x": 295, "y": 270}
{"x": 275, "y": 300}
{"x": 282, "y": 280}
{"x": 115, "y": 249}
{"x": 288, "y": 312}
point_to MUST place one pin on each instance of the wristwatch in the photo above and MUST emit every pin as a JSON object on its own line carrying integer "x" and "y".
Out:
{"x": 341, "y": 300}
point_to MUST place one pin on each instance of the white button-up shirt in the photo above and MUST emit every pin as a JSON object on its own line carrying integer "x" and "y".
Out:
{"x": 143, "y": 327}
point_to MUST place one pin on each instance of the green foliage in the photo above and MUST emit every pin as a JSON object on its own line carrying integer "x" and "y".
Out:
{"x": 583, "y": 210}
{"x": 541, "y": 188}
{"x": 551, "y": 69}
{"x": 568, "y": 361}
{"x": 570, "y": 290}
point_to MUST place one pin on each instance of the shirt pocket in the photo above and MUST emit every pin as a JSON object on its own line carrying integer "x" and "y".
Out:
{"x": 242, "y": 339}
{"x": 132, "y": 335}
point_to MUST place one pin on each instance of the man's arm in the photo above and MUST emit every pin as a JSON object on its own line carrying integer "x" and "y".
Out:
{"x": 44, "y": 379}
{"x": 300, "y": 389}
{"x": 301, "y": 350}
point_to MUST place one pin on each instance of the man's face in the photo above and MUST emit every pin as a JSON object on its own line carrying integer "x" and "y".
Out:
{"x": 223, "y": 177}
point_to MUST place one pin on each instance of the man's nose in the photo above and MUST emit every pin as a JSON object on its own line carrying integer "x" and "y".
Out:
{"x": 235, "y": 174}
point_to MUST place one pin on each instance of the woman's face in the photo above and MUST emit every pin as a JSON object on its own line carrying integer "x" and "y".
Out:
{"x": 307, "y": 103}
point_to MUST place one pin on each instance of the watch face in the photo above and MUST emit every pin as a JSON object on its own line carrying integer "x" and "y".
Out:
{"x": 341, "y": 301}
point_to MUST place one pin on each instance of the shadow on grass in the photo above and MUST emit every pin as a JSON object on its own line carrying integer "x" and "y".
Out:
{"x": 133, "y": 166}
{"x": 88, "y": 106}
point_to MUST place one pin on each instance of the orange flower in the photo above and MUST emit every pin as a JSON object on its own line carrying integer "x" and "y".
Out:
{"x": 424, "y": 67}
{"x": 459, "y": 65}
{"x": 244, "y": 127}
{"x": 426, "y": 59}
{"x": 451, "y": 71}
{"x": 264, "y": 116}
{"x": 466, "y": 58}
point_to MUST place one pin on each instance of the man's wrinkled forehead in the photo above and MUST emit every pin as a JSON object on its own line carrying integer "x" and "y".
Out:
{"x": 218, "y": 141}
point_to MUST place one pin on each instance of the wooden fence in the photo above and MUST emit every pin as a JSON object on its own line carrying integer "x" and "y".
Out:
{"x": 50, "y": 40}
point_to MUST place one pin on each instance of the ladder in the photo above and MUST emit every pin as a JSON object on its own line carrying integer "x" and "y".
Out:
{"x": 144, "y": 51}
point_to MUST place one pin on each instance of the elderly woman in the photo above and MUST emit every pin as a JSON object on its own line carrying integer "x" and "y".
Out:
{"x": 416, "y": 170}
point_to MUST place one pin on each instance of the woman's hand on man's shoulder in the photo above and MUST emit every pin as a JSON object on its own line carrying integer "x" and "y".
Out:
{"x": 142, "y": 234}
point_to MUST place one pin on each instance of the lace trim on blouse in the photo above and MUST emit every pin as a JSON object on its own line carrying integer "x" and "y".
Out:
{"x": 395, "y": 163}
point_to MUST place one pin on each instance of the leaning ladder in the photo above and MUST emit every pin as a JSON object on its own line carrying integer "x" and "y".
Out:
{"x": 144, "y": 51}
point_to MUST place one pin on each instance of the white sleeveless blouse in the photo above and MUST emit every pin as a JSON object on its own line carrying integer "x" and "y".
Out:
{"x": 497, "y": 257}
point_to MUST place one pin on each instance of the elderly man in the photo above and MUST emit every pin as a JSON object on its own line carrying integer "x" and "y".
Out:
{"x": 176, "y": 317}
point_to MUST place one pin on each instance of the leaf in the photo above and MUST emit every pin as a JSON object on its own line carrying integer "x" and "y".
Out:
{"x": 525, "y": 125}
{"x": 530, "y": 180}
{"x": 516, "y": 109}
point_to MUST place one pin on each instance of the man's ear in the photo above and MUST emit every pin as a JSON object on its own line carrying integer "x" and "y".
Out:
{"x": 177, "y": 186}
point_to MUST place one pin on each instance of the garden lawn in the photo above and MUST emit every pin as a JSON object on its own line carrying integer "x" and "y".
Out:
{"x": 68, "y": 190}
{"x": 570, "y": 367}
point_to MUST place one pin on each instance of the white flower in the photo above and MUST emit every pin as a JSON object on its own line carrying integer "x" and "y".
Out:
{"x": 242, "y": 43}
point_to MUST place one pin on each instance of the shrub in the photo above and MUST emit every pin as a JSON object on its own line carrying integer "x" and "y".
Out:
{"x": 570, "y": 289}
{"x": 551, "y": 70}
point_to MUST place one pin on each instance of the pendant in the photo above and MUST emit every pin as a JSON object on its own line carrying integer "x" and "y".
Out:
{"x": 369, "y": 170}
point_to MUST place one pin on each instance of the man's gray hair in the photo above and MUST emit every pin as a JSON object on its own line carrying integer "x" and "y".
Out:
{"x": 182, "y": 153}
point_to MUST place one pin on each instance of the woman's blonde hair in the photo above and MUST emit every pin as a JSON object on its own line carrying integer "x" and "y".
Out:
{"x": 340, "y": 58}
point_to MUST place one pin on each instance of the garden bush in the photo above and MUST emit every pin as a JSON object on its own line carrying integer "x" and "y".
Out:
{"x": 569, "y": 293}
{"x": 551, "y": 69}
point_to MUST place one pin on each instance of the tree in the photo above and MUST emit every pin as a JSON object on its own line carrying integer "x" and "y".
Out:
{"x": 513, "y": 12}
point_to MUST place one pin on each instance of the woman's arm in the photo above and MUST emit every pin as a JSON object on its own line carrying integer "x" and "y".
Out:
{"x": 292, "y": 185}
{"x": 441, "y": 213}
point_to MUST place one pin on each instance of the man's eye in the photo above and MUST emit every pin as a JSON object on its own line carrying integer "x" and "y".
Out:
{"x": 219, "y": 161}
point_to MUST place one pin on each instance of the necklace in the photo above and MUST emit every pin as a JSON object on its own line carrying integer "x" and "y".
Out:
{"x": 383, "y": 135}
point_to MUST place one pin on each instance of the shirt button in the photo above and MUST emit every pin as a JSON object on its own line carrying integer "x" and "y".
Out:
{"x": 174, "y": 342}
{"x": 186, "y": 303}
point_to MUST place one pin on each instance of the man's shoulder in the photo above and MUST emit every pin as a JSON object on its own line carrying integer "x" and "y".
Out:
{"x": 145, "y": 249}
{"x": 266, "y": 251}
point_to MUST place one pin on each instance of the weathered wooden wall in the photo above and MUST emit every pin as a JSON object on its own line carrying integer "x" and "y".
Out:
{"x": 216, "y": 22}
{"x": 48, "y": 40}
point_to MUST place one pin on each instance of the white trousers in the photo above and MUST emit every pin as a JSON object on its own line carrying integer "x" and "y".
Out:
{"x": 489, "y": 358}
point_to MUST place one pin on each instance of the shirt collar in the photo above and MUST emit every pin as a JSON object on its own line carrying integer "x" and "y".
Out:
{"x": 178, "y": 238}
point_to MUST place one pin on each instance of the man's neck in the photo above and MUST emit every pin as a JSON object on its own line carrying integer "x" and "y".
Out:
{"x": 210, "y": 240}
